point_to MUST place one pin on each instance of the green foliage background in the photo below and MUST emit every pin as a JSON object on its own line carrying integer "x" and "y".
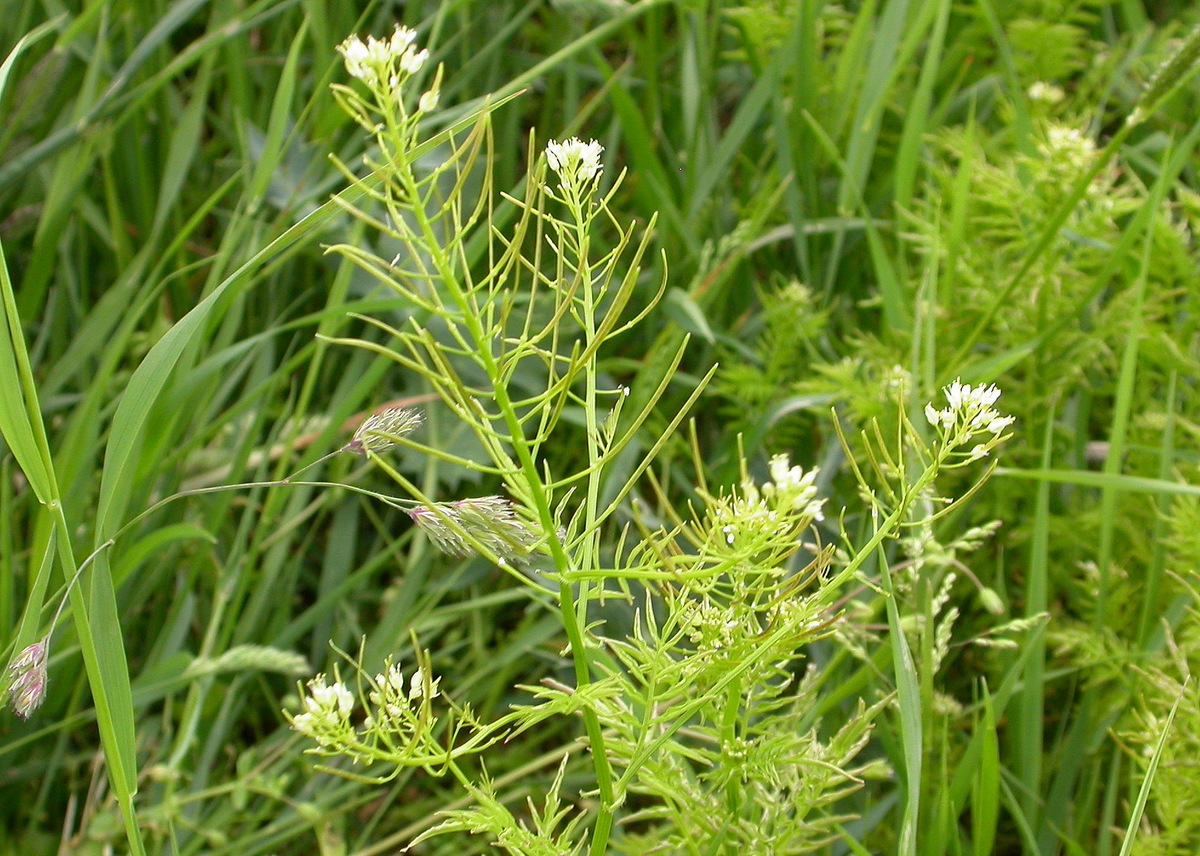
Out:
{"x": 847, "y": 194}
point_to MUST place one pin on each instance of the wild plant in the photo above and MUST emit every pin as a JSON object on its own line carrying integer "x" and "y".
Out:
{"x": 699, "y": 721}
{"x": 1041, "y": 296}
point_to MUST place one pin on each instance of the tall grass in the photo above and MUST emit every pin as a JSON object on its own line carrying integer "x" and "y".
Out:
{"x": 841, "y": 190}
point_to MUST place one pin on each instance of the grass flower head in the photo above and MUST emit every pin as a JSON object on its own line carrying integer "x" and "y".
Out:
{"x": 489, "y": 521}
{"x": 28, "y": 675}
{"x": 380, "y": 430}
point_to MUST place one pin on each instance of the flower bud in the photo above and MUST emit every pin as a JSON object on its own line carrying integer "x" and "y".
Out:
{"x": 428, "y": 101}
{"x": 991, "y": 601}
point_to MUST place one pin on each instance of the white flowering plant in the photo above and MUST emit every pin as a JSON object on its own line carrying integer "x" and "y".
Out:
{"x": 698, "y": 718}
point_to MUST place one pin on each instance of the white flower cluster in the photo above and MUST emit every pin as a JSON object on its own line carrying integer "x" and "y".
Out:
{"x": 399, "y": 713}
{"x": 1068, "y": 147}
{"x": 764, "y": 514}
{"x": 1045, "y": 93}
{"x": 793, "y": 488}
{"x": 575, "y": 162}
{"x": 385, "y": 64}
{"x": 327, "y": 709}
{"x": 377, "y": 61}
{"x": 745, "y": 516}
{"x": 394, "y": 698}
{"x": 969, "y": 414}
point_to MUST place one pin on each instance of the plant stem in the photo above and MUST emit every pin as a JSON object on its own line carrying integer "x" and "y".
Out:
{"x": 571, "y": 621}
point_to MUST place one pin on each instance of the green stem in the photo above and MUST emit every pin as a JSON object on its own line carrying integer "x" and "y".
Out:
{"x": 572, "y": 624}
{"x": 925, "y": 686}
{"x": 729, "y": 722}
{"x": 603, "y": 828}
{"x": 885, "y": 530}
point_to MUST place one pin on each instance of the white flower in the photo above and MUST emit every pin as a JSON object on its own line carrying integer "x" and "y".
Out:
{"x": 422, "y": 683}
{"x": 356, "y": 55}
{"x": 412, "y": 61}
{"x": 305, "y": 723}
{"x": 786, "y": 476}
{"x": 997, "y": 425}
{"x": 402, "y": 37}
{"x": 393, "y": 679}
{"x": 574, "y": 160}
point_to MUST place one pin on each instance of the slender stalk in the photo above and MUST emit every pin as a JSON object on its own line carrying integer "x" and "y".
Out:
{"x": 572, "y": 623}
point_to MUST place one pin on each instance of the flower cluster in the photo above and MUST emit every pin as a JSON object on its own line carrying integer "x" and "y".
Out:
{"x": 1068, "y": 146}
{"x": 401, "y": 726}
{"x": 397, "y": 702}
{"x": 576, "y": 163}
{"x": 712, "y": 626}
{"x": 969, "y": 415}
{"x": 28, "y": 676}
{"x": 770, "y": 516}
{"x": 382, "y": 62}
{"x": 1045, "y": 93}
{"x": 490, "y": 522}
{"x": 791, "y": 487}
{"x": 379, "y": 431}
{"x": 326, "y": 715}
{"x": 384, "y": 65}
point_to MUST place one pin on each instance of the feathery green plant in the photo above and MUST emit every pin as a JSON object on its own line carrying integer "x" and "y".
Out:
{"x": 895, "y": 179}
{"x": 697, "y": 738}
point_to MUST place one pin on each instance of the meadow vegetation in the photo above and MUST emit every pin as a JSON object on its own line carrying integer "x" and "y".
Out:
{"x": 600, "y": 427}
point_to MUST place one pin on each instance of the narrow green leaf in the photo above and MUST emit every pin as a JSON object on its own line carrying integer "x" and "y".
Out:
{"x": 21, "y": 417}
{"x": 1139, "y": 805}
{"x": 909, "y": 696}
{"x": 273, "y": 146}
{"x": 1108, "y": 481}
{"x": 185, "y": 142}
{"x": 148, "y": 380}
{"x": 985, "y": 799}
